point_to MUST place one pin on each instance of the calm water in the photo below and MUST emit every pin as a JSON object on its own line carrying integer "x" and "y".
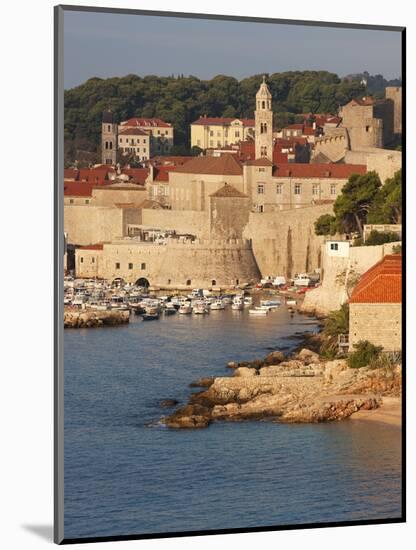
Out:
{"x": 123, "y": 476}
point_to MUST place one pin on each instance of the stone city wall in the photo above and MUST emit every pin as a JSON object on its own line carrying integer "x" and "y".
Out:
{"x": 380, "y": 324}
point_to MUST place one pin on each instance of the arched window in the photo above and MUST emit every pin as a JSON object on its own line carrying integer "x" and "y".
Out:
{"x": 111, "y": 144}
{"x": 264, "y": 127}
{"x": 263, "y": 104}
{"x": 106, "y": 144}
{"x": 213, "y": 282}
{"x": 188, "y": 282}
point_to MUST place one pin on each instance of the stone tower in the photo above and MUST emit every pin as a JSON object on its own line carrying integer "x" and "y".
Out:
{"x": 264, "y": 122}
{"x": 395, "y": 94}
{"x": 108, "y": 139}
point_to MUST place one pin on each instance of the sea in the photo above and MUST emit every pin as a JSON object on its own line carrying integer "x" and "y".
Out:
{"x": 127, "y": 474}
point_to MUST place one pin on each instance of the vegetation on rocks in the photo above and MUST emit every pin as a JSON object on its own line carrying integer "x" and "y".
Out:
{"x": 364, "y": 354}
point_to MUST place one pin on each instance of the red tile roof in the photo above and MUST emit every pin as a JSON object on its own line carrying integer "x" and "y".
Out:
{"x": 98, "y": 246}
{"x": 381, "y": 284}
{"x": 70, "y": 174}
{"x": 225, "y": 165}
{"x": 78, "y": 189}
{"x": 133, "y": 132}
{"x": 223, "y": 121}
{"x": 334, "y": 171}
{"x": 146, "y": 122}
{"x": 95, "y": 175}
{"x": 137, "y": 175}
{"x": 161, "y": 173}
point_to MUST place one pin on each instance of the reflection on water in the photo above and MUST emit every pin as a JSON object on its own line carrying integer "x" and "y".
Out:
{"x": 124, "y": 477}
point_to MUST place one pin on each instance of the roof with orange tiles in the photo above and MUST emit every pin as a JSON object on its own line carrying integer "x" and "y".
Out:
{"x": 98, "y": 246}
{"x": 228, "y": 191}
{"x": 146, "y": 123}
{"x": 224, "y": 121}
{"x": 137, "y": 175}
{"x": 78, "y": 189}
{"x": 161, "y": 173}
{"x": 71, "y": 173}
{"x": 381, "y": 284}
{"x": 259, "y": 162}
{"x": 224, "y": 165}
{"x": 334, "y": 171}
{"x": 133, "y": 132}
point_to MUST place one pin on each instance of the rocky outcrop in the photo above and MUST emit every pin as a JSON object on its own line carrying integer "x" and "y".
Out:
{"x": 300, "y": 389}
{"x": 89, "y": 318}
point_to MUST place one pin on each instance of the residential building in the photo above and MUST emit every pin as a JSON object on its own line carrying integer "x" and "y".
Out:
{"x": 217, "y": 132}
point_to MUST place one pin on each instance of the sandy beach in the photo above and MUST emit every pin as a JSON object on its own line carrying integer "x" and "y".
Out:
{"x": 390, "y": 412}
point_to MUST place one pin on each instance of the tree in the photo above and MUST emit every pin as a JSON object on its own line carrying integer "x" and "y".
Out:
{"x": 377, "y": 237}
{"x": 357, "y": 197}
{"x": 387, "y": 206}
{"x": 326, "y": 225}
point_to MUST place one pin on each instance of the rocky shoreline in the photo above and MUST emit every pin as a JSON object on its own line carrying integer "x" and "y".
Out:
{"x": 90, "y": 318}
{"x": 302, "y": 388}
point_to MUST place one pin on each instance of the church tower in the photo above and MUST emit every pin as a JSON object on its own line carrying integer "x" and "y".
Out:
{"x": 108, "y": 139}
{"x": 264, "y": 122}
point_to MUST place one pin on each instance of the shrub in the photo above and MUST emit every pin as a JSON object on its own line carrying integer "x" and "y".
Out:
{"x": 376, "y": 237}
{"x": 364, "y": 354}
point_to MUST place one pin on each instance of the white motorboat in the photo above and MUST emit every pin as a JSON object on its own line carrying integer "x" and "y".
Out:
{"x": 301, "y": 280}
{"x": 200, "y": 308}
{"x": 270, "y": 303}
{"x": 217, "y": 304}
{"x": 185, "y": 309}
{"x": 291, "y": 302}
{"x": 238, "y": 303}
{"x": 258, "y": 312}
{"x": 248, "y": 300}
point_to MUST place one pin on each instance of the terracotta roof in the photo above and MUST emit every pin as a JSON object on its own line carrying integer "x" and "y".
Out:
{"x": 71, "y": 174}
{"x": 137, "y": 175}
{"x": 133, "y": 132}
{"x": 334, "y": 171}
{"x": 381, "y": 284}
{"x": 95, "y": 175}
{"x": 294, "y": 127}
{"x": 77, "y": 189}
{"x": 98, "y": 246}
{"x": 223, "y": 121}
{"x": 146, "y": 122}
{"x": 225, "y": 165}
{"x": 228, "y": 191}
{"x": 161, "y": 173}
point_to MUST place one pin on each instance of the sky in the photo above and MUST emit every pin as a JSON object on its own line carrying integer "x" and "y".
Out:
{"x": 106, "y": 45}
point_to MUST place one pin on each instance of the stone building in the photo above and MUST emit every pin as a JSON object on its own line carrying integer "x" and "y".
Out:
{"x": 210, "y": 132}
{"x": 134, "y": 140}
{"x": 108, "y": 139}
{"x": 161, "y": 133}
{"x": 395, "y": 94}
{"x": 376, "y": 306}
{"x": 264, "y": 122}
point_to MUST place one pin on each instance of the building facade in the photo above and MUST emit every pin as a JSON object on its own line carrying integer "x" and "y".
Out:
{"x": 214, "y": 132}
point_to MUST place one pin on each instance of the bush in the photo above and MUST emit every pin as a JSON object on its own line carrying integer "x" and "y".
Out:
{"x": 375, "y": 237}
{"x": 365, "y": 353}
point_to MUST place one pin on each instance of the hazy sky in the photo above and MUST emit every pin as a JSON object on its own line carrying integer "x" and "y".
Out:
{"x": 105, "y": 45}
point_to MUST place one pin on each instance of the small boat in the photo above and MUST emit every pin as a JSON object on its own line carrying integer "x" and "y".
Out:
{"x": 291, "y": 302}
{"x": 238, "y": 303}
{"x": 217, "y": 304}
{"x": 152, "y": 314}
{"x": 248, "y": 300}
{"x": 258, "y": 312}
{"x": 200, "y": 308}
{"x": 270, "y": 303}
{"x": 185, "y": 309}
{"x": 170, "y": 309}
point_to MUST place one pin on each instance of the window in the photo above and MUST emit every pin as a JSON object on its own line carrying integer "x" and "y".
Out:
{"x": 71, "y": 201}
{"x": 111, "y": 144}
{"x": 93, "y": 260}
{"x": 108, "y": 128}
{"x": 188, "y": 282}
{"x": 315, "y": 189}
{"x": 261, "y": 169}
{"x": 198, "y": 142}
{"x": 334, "y": 246}
{"x": 211, "y": 143}
{"x": 117, "y": 265}
{"x": 260, "y": 188}
{"x": 87, "y": 201}
{"x": 106, "y": 144}
{"x": 298, "y": 188}
{"x": 367, "y": 128}
{"x": 218, "y": 134}
{"x": 143, "y": 266}
{"x": 260, "y": 208}
{"x": 130, "y": 266}
{"x": 237, "y": 281}
{"x": 218, "y": 143}
{"x": 213, "y": 282}
{"x": 81, "y": 260}
{"x": 237, "y": 133}
{"x": 263, "y": 104}
{"x": 333, "y": 188}
{"x": 211, "y": 133}
{"x": 279, "y": 188}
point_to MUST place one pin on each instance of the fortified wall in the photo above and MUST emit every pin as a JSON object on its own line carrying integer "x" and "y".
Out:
{"x": 284, "y": 243}
{"x": 332, "y": 147}
{"x": 385, "y": 162}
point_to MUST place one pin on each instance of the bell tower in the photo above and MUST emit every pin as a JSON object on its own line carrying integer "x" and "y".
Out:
{"x": 108, "y": 139}
{"x": 264, "y": 122}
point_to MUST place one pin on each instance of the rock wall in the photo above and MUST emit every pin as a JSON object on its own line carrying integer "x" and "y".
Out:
{"x": 284, "y": 243}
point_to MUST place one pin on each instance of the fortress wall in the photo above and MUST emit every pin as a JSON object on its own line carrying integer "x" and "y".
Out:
{"x": 91, "y": 224}
{"x": 182, "y": 221}
{"x": 333, "y": 145}
{"x": 383, "y": 161}
{"x": 284, "y": 243}
{"x": 228, "y": 216}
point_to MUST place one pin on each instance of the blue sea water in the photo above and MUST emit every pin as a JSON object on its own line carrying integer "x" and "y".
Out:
{"x": 126, "y": 474}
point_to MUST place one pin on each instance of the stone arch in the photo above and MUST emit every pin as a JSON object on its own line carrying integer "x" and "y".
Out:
{"x": 118, "y": 282}
{"x": 143, "y": 282}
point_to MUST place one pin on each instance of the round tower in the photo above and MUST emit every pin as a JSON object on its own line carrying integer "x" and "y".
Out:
{"x": 108, "y": 139}
{"x": 264, "y": 122}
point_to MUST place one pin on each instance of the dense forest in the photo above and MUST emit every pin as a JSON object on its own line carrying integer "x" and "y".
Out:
{"x": 181, "y": 100}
